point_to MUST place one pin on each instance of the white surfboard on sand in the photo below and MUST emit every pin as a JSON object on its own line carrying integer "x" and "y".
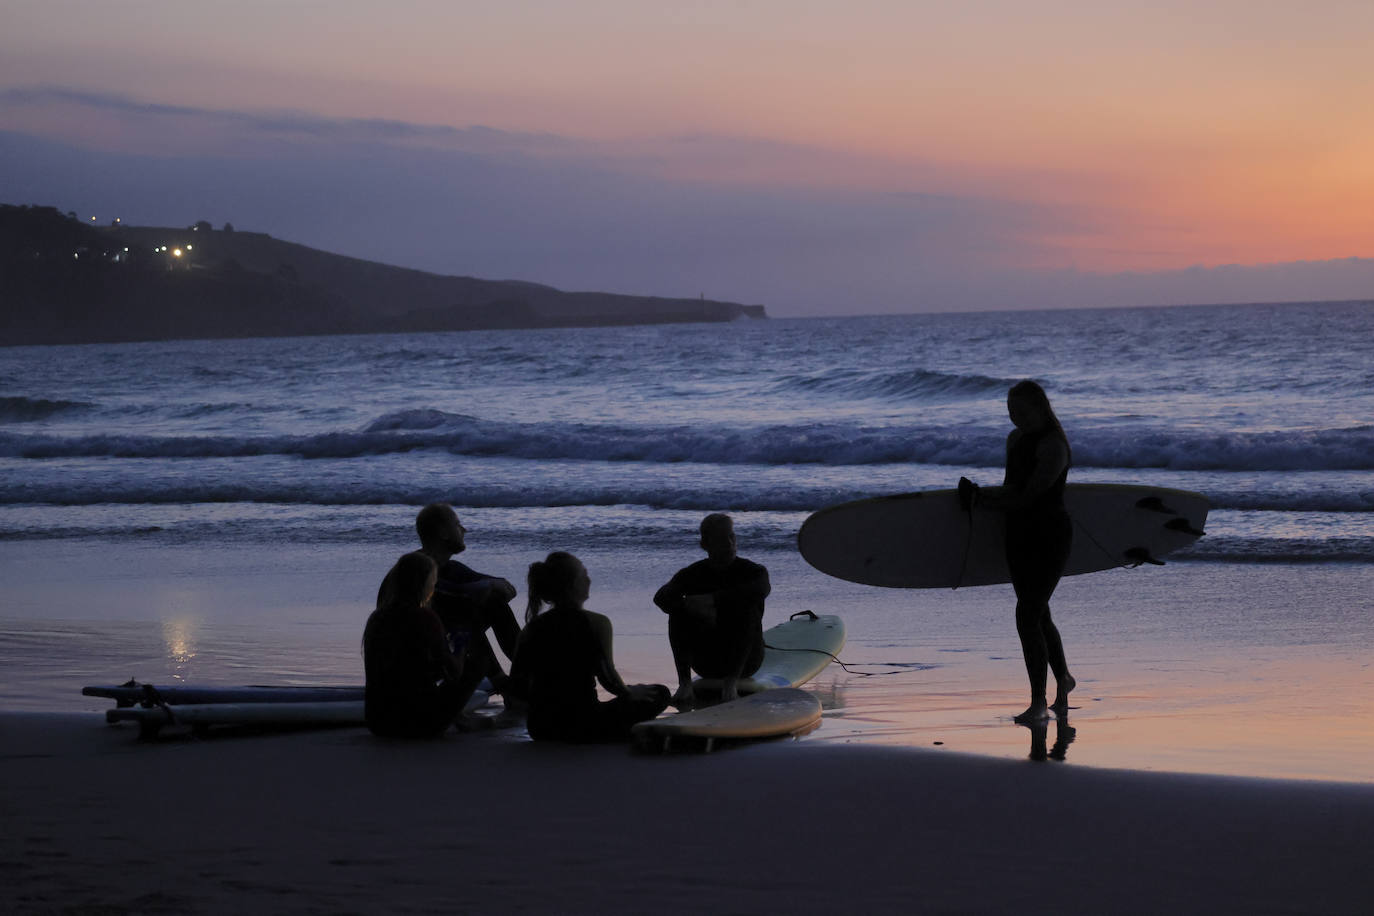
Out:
{"x": 304, "y": 714}
{"x": 134, "y": 693}
{"x": 155, "y": 708}
{"x": 794, "y": 653}
{"x": 152, "y": 718}
{"x": 927, "y": 540}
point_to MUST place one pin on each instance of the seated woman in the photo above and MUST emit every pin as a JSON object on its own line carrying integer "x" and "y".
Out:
{"x": 564, "y": 652}
{"x": 415, "y": 684}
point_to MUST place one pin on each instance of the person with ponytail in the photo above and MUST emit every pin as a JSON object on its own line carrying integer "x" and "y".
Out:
{"x": 1039, "y": 535}
{"x": 416, "y": 687}
{"x": 564, "y": 652}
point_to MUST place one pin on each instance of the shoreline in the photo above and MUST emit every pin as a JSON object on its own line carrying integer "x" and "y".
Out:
{"x": 331, "y": 821}
{"x": 1268, "y": 682}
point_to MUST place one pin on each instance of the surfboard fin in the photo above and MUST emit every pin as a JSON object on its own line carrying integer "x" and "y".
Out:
{"x": 1154, "y": 504}
{"x": 967, "y": 491}
{"x": 1139, "y": 556}
{"x": 1184, "y": 526}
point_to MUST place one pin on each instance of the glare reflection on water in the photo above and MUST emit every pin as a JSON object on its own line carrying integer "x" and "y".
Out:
{"x": 179, "y": 634}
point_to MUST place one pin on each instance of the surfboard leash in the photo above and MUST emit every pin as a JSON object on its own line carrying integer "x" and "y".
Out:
{"x": 833, "y": 657}
{"x": 811, "y": 615}
{"x": 151, "y": 698}
{"x": 1139, "y": 555}
{"x": 968, "y": 494}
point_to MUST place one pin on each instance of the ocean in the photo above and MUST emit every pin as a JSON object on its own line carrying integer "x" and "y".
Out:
{"x": 220, "y": 511}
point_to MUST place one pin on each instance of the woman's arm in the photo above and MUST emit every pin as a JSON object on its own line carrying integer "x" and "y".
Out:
{"x": 606, "y": 673}
{"x": 1051, "y": 458}
{"x": 436, "y": 643}
{"x": 519, "y": 668}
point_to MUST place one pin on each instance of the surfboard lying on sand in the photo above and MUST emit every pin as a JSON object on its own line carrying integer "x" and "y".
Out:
{"x": 767, "y": 714}
{"x": 794, "y": 653}
{"x": 152, "y": 718}
{"x": 155, "y": 708}
{"x": 134, "y": 693}
{"x": 303, "y": 714}
{"x": 927, "y": 540}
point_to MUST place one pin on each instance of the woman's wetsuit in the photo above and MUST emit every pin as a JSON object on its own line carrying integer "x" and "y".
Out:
{"x": 1039, "y": 536}
{"x": 558, "y": 661}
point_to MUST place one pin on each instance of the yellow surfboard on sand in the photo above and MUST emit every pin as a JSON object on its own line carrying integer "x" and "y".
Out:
{"x": 794, "y": 652}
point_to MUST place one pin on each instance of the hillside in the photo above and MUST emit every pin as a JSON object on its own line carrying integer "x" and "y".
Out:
{"x": 65, "y": 281}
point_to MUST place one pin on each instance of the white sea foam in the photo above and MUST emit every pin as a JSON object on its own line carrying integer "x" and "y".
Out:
{"x": 1262, "y": 409}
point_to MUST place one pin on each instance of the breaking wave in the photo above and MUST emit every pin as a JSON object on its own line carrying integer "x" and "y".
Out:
{"x": 19, "y": 409}
{"x": 1350, "y": 449}
{"x": 905, "y": 385}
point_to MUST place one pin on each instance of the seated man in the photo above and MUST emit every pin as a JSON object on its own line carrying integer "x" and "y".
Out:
{"x": 468, "y": 602}
{"x": 715, "y": 614}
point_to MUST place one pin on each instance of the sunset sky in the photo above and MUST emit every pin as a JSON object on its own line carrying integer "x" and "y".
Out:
{"x": 820, "y": 158}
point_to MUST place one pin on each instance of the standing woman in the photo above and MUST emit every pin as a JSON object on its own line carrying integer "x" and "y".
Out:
{"x": 564, "y": 652}
{"x": 1039, "y": 534}
{"x": 416, "y": 686}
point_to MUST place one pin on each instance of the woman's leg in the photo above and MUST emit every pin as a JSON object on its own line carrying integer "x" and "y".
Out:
{"x": 1054, "y": 655}
{"x": 606, "y": 721}
{"x": 1030, "y": 612}
{"x": 1036, "y": 555}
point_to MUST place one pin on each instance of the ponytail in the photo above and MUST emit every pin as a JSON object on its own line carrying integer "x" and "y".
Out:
{"x": 534, "y": 589}
{"x": 550, "y": 581}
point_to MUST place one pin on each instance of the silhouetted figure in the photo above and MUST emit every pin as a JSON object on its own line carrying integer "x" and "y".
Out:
{"x": 715, "y": 614}
{"x": 468, "y": 602}
{"x": 1039, "y": 535}
{"x": 564, "y": 652}
{"x": 416, "y": 687}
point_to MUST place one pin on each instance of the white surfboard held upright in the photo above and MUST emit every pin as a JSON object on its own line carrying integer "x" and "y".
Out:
{"x": 927, "y": 540}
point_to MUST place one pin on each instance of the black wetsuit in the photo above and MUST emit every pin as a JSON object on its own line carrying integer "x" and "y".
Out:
{"x": 407, "y": 695}
{"x": 1039, "y": 536}
{"x": 739, "y": 590}
{"x": 556, "y": 665}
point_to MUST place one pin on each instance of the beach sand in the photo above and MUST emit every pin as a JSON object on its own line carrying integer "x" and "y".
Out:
{"x": 1246, "y": 670}
{"x": 1262, "y": 671}
{"x": 338, "y": 822}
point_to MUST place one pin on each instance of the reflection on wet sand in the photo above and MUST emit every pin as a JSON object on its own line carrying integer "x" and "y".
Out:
{"x": 1170, "y": 713}
{"x": 1064, "y": 733}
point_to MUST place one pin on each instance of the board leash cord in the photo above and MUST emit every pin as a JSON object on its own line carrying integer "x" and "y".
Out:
{"x": 967, "y": 491}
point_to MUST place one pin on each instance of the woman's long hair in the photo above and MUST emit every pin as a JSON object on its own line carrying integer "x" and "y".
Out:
{"x": 403, "y": 588}
{"x": 407, "y": 583}
{"x": 551, "y": 581}
{"x": 1034, "y": 394}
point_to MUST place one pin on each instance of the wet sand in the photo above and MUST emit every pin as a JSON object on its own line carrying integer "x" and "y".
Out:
{"x": 917, "y": 794}
{"x": 1206, "y": 668}
{"x": 337, "y": 822}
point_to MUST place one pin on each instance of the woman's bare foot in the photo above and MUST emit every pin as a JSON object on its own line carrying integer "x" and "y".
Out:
{"x": 1061, "y": 695}
{"x": 1037, "y": 711}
